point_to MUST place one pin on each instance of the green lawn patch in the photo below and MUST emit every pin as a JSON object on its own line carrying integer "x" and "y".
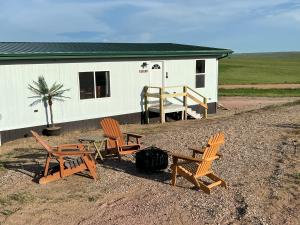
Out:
{"x": 260, "y": 92}
{"x": 260, "y": 68}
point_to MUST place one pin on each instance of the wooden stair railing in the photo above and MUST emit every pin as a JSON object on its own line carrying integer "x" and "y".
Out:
{"x": 162, "y": 95}
{"x": 201, "y": 103}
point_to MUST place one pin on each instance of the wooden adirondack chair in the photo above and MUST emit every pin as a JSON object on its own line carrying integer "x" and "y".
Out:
{"x": 116, "y": 143}
{"x": 194, "y": 168}
{"x": 74, "y": 160}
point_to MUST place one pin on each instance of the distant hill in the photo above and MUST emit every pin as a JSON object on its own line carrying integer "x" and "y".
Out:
{"x": 255, "y": 68}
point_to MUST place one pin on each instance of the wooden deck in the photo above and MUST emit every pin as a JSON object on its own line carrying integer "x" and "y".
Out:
{"x": 168, "y": 108}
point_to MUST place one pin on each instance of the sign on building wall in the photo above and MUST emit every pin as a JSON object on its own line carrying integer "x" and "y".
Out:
{"x": 144, "y": 68}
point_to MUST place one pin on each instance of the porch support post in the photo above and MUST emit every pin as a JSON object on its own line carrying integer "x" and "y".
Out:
{"x": 185, "y": 101}
{"x": 161, "y": 105}
{"x": 146, "y": 105}
{"x": 205, "y": 110}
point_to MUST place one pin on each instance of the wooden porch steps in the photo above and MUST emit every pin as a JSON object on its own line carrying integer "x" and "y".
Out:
{"x": 193, "y": 113}
{"x": 156, "y": 100}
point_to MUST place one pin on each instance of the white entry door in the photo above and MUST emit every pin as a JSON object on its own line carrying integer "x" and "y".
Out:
{"x": 155, "y": 80}
{"x": 156, "y": 74}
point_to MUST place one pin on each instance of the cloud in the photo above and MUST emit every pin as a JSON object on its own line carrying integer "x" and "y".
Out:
{"x": 83, "y": 35}
{"x": 231, "y": 23}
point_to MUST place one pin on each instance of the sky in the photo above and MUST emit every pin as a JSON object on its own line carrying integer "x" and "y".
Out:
{"x": 241, "y": 25}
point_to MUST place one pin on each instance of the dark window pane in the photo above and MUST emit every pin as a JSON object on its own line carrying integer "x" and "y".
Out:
{"x": 200, "y": 66}
{"x": 102, "y": 84}
{"x": 86, "y": 84}
{"x": 200, "y": 81}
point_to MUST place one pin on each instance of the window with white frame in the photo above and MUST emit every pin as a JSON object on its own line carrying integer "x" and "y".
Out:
{"x": 94, "y": 84}
{"x": 200, "y": 73}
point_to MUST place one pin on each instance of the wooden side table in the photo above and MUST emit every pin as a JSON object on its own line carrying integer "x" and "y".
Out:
{"x": 96, "y": 142}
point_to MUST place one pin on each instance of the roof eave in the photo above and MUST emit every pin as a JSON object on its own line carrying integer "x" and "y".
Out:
{"x": 106, "y": 55}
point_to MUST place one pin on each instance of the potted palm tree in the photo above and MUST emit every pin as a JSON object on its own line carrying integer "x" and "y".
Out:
{"x": 46, "y": 95}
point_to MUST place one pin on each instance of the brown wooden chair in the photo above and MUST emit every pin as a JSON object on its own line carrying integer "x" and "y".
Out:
{"x": 74, "y": 160}
{"x": 194, "y": 168}
{"x": 116, "y": 143}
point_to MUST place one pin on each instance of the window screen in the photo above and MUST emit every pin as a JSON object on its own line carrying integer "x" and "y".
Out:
{"x": 86, "y": 85}
{"x": 102, "y": 84}
{"x": 200, "y": 81}
{"x": 200, "y": 73}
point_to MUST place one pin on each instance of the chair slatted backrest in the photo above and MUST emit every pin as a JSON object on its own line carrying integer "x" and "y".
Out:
{"x": 111, "y": 127}
{"x": 210, "y": 151}
{"x": 39, "y": 139}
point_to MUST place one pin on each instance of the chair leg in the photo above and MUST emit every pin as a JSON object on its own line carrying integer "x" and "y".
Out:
{"x": 119, "y": 157}
{"x": 47, "y": 166}
{"x": 90, "y": 166}
{"x": 174, "y": 174}
{"x": 50, "y": 178}
{"x": 201, "y": 186}
{"x": 61, "y": 166}
{"x": 214, "y": 177}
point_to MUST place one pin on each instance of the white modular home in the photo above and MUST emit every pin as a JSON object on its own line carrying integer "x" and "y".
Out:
{"x": 105, "y": 80}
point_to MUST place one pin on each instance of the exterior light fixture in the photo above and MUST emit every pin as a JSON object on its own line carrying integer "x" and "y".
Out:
{"x": 144, "y": 65}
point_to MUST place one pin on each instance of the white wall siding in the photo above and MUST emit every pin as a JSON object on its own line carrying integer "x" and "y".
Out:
{"x": 126, "y": 85}
{"x": 183, "y": 72}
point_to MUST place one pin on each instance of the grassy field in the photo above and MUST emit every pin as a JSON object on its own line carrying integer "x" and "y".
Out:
{"x": 258, "y": 68}
{"x": 260, "y": 92}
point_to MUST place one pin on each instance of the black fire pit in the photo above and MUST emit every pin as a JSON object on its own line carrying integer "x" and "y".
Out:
{"x": 151, "y": 159}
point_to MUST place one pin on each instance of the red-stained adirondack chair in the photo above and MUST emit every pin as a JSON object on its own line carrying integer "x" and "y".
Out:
{"x": 116, "y": 143}
{"x": 71, "y": 158}
{"x": 194, "y": 168}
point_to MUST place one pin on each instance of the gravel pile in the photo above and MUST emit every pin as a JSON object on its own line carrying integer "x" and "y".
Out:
{"x": 251, "y": 153}
{"x": 260, "y": 166}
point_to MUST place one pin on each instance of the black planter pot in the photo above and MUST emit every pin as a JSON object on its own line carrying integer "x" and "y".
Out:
{"x": 52, "y": 131}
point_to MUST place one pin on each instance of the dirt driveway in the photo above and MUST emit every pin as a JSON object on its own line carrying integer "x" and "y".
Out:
{"x": 260, "y": 165}
{"x": 260, "y": 86}
{"x": 240, "y": 104}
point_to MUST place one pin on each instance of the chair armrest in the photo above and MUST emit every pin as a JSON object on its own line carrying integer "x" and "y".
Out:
{"x": 211, "y": 158}
{"x": 69, "y": 146}
{"x": 113, "y": 138}
{"x": 220, "y": 155}
{"x": 72, "y": 153}
{"x": 197, "y": 150}
{"x": 134, "y": 135}
{"x": 176, "y": 156}
{"x": 201, "y": 151}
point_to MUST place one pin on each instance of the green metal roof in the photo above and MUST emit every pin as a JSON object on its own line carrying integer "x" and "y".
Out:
{"x": 63, "y": 50}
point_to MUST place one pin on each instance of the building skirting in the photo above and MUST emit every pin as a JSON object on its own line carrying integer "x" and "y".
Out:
{"x": 132, "y": 118}
{"x": 212, "y": 108}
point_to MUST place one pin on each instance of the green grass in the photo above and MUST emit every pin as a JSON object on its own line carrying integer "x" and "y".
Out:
{"x": 296, "y": 176}
{"x": 258, "y": 68}
{"x": 19, "y": 198}
{"x": 260, "y": 92}
{"x": 7, "y": 212}
{"x": 92, "y": 199}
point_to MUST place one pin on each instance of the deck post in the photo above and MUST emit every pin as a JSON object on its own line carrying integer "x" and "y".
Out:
{"x": 205, "y": 110}
{"x": 185, "y": 101}
{"x": 146, "y": 105}
{"x": 161, "y": 105}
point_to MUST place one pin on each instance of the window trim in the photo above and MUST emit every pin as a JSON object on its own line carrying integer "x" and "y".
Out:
{"x": 203, "y": 74}
{"x": 95, "y": 91}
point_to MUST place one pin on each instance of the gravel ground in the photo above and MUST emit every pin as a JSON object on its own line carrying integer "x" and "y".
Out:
{"x": 260, "y": 166}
